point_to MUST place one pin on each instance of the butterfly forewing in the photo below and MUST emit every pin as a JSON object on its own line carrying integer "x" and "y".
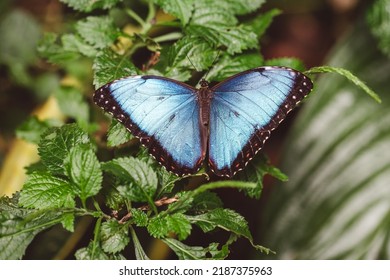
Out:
{"x": 163, "y": 113}
{"x": 245, "y": 109}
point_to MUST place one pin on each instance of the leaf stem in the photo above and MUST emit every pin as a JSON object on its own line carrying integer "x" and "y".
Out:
{"x": 136, "y": 17}
{"x": 96, "y": 234}
{"x": 168, "y": 37}
{"x": 347, "y": 74}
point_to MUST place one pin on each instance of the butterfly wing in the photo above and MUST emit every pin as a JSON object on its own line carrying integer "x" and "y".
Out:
{"x": 245, "y": 109}
{"x": 163, "y": 113}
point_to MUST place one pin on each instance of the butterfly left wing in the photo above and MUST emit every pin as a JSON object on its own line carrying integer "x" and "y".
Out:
{"x": 163, "y": 113}
{"x": 245, "y": 109}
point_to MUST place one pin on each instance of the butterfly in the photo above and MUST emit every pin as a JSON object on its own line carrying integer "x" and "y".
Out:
{"x": 224, "y": 125}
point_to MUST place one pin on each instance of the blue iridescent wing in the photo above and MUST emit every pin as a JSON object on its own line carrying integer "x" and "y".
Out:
{"x": 163, "y": 113}
{"x": 245, "y": 109}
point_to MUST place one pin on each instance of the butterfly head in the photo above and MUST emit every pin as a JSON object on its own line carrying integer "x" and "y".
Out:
{"x": 203, "y": 83}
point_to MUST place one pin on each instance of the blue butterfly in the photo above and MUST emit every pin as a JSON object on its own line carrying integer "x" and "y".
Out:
{"x": 225, "y": 125}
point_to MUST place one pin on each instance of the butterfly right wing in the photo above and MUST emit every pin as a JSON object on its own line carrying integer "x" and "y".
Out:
{"x": 163, "y": 113}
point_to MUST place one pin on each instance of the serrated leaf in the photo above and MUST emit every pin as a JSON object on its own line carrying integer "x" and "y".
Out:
{"x": 32, "y": 129}
{"x": 139, "y": 217}
{"x": 182, "y": 9}
{"x": 228, "y": 66}
{"x": 378, "y": 19}
{"x": 83, "y": 169}
{"x": 117, "y": 134}
{"x": 95, "y": 252}
{"x": 158, "y": 226}
{"x": 42, "y": 190}
{"x": 161, "y": 225}
{"x": 109, "y": 66}
{"x": 179, "y": 224}
{"x": 72, "y": 104}
{"x": 18, "y": 226}
{"x": 214, "y": 22}
{"x": 190, "y": 52}
{"x": 100, "y": 32}
{"x": 56, "y": 143}
{"x": 225, "y": 219}
{"x": 89, "y": 5}
{"x": 114, "y": 236}
{"x": 185, "y": 252}
{"x": 141, "y": 178}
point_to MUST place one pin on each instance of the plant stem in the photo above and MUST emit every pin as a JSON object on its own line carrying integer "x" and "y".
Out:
{"x": 136, "y": 17}
{"x": 168, "y": 37}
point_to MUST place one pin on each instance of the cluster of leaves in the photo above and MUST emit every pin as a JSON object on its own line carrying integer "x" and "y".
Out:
{"x": 70, "y": 181}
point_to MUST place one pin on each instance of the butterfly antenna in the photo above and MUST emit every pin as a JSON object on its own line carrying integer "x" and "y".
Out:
{"x": 197, "y": 70}
{"x": 212, "y": 64}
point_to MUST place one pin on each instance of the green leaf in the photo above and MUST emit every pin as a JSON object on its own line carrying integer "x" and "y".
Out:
{"x": 158, "y": 226}
{"x": 50, "y": 49}
{"x": 89, "y": 5}
{"x": 83, "y": 169}
{"x": 179, "y": 224}
{"x": 378, "y": 19}
{"x": 255, "y": 172}
{"x": 225, "y": 219}
{"x": 182, "y": 9}
{"x": 213, "y": 21}
{"x": 114, "y": 236}
{"x": 206, "y": 201}
{"x": 109, "y": 66}
{"x": 95, "y": 252}
{"x": 243, "y": 6}
{"x": 100, "y": 32}
{"x": 19, "y": 226}
{"x": 75, "y": 44}
{"x": 117, "y": 134}
{"x": 72, "y": 104}
{"x": 187, "y": 53}
{"x": 56, "y": 143}
{"x": 228, "y": 66}
{"x": 143, "y": 180}
{"x": 347, "y": 74}
{"x": 236, "y": 38}
{"x": 139, "y": 217}
{"x": 291, "y": 62}
{"x": 42, "y": 190}
{"x": 161, "y": 225}
{"x": 185, "y": 252}
{"x": 19, "y": 35}
{"x": 32, "y": 129}
{"x": 68, "y": 218}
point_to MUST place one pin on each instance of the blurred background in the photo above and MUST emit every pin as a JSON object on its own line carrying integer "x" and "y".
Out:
{"x": 335, "y": 149}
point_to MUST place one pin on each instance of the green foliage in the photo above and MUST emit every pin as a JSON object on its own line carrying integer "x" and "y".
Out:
{"x": 79, "y": 175}
{"x": 379, "y": 20}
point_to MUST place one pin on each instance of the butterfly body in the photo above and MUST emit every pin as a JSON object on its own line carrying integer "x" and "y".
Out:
{"x": 225, "y": 125}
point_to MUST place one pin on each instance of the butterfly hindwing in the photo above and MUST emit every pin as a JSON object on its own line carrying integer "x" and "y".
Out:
{"x": 245, "y": 109}
{"x": 163, "y": 113}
